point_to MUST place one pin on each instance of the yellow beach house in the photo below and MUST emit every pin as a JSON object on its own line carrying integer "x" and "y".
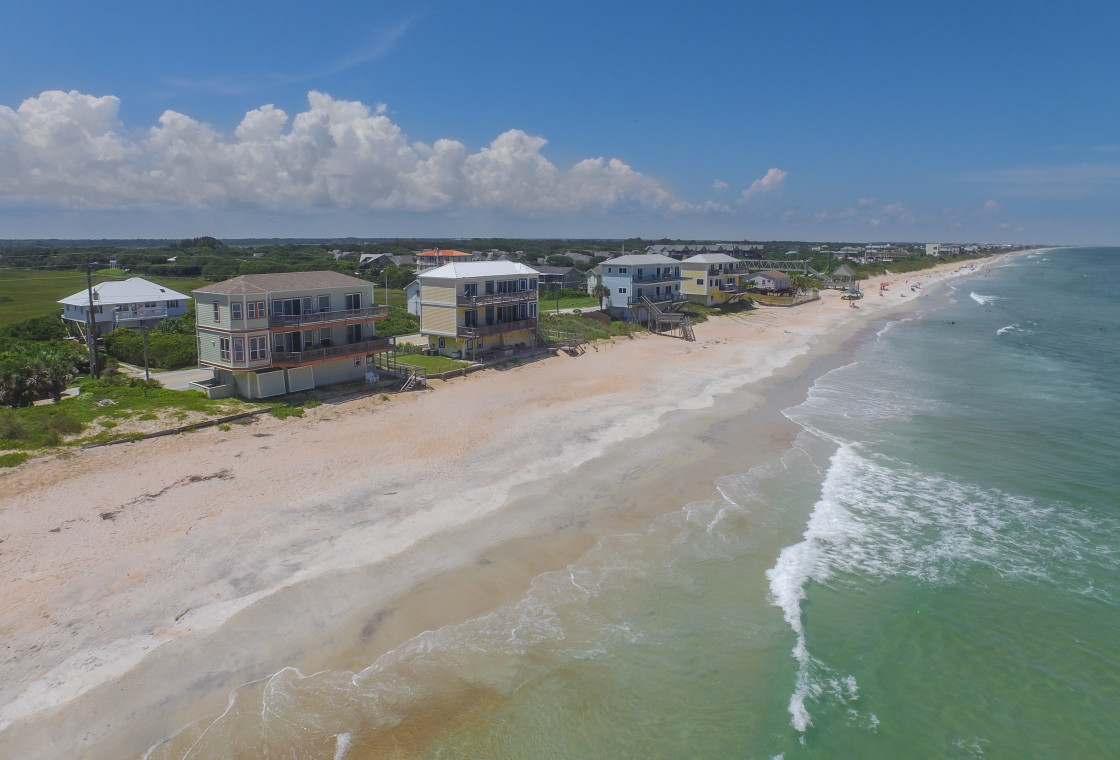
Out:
{"x": 270, "y": 334}
{"x": 712, "y": 279}
{"x": 470, "y": 307}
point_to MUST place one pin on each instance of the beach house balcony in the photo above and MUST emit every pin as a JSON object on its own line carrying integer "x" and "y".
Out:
{"x": 327, "y": 353}
{"x": 486, "y": 331}
{"x": 125, "y": 317}
{"x": 494, "y": 299}
{"x": 733, "y": 288}
{"x": 310, "y": 318}
{"x": 646, "y": 279}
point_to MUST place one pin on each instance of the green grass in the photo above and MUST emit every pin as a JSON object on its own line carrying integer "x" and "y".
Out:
{"x": 14, "y": 459}
{"x": 101, "y": 407}
{"x": 33, "y": 293}
{"x": 433, "y": 364}
{"x": 590, "y": 329}
{"x": 548, "y": 304}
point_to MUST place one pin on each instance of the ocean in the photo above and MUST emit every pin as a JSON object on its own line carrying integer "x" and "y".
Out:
{"x": 931, "y": 570}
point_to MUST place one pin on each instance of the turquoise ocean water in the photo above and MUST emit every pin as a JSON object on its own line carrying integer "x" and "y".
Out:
{"x": 931, "y": 571}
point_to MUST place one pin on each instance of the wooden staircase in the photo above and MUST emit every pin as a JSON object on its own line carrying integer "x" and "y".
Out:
{"x": 668, "y": 322}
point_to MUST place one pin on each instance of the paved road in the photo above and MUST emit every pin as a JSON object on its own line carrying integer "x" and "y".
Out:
{"x": 175, "y": 380}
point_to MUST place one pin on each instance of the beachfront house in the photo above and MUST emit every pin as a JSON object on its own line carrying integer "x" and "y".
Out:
{"x": 268, "y": 334}
{"x": 471, "y": 307}
{"x": 771, "y": 280}
{"x": 134, "y": 303}
{"x": 712, "y": 279}
{"x": 635, "y": 277}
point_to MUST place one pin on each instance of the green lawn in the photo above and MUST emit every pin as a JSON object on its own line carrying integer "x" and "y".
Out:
{"x": 32, "y": 293}
{"x": 433, "y": 364}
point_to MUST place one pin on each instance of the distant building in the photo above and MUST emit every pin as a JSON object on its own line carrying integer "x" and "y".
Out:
{"x": 553, "y": 278}
{"x": 771, "y": 279}
{"x": 125, "y": 303}
{"x": 438, "y": 257}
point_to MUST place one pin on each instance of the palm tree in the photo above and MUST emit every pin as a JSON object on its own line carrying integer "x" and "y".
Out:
{"x": 602, "y": 292}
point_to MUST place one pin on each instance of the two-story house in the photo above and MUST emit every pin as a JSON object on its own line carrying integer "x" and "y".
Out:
{"x": 712, "y": 279}
{"x": 134, "y": 302}
{"x": 633, "y": 277}
{"x": 473, "y": 306}
{"x": 269, "y": 334}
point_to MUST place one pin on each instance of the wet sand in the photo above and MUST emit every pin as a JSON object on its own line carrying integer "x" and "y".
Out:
{"x": 146, "y": 581}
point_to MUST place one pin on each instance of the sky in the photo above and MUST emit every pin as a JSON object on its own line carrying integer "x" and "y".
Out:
{"x": 972, "y": 121}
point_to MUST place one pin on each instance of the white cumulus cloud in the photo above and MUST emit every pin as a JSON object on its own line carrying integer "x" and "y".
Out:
{"x": 771, "y": 182}
{"x": 71, "y": 150}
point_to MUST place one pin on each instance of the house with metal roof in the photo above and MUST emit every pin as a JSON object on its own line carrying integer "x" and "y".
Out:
{"x": 470, "y": 307}
{"x": 269, "y": 334}
{"x": 134, "y": 302}
{"x": 712, "y": 279}
{"x": 635, "y": 278}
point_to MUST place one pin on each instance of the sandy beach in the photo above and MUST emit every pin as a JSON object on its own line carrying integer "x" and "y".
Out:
{"x": 144, "y": 582}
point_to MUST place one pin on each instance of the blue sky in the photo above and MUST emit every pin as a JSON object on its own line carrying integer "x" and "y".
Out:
{"x": 859, "y": 121}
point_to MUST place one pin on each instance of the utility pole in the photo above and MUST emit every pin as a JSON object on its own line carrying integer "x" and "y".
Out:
{"x": 91, "y": 322}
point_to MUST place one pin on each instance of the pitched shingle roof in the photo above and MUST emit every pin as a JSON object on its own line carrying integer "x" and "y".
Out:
{"x": 283, "y": 281}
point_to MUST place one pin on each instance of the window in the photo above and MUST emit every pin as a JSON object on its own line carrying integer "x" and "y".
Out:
{"x": 251, "y": 310}
{"x": 258, "y": 348}
{"x": 489, "y": 287}
{"x": 470, "y": 289}
{"x": 324, "y": 336}
{"x": 700, "y": 281}
{"x": 223, "y": 349}
{"x": 324, "y": 303}
{"x": 353, "y": 301}
{"x": 239, "y": 349}
{"x": 470, "y": 318}
{"x": 622, "y": 270}
{"x": 523, "y": 284}
{"x": 622, "y": 290}
{"x": 354, "y": 333}
{"x": 532, "y": 283}
{"x": 172, "y": 304}
{"x": 217, "y": 313}
{"x": 260, "y": 310}
{"x": 235, "y": 310}
{"x": 532, "y": 311}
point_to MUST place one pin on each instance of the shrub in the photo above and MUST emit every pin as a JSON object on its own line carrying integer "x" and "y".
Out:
{"x": 14, "y": 459}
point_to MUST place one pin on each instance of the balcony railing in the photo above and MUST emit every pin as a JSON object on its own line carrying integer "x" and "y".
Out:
{"x": 664, "y": 277}
{"x": 663, "y": 298}
{"x": 141, "y": 314}
{"x": 733, "y": 287}
{"x": 322, "y": 317}
{"x": 492, "y": 299}
{"x": 311, "y": 355}
{"x": 485, "y": 331}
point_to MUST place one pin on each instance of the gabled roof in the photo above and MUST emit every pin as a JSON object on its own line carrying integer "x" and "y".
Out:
{"x": 774, "y": 274}
{"x": 458, "y": 269}
{"x": 278, "y": 282}
{"x": 844, "y": 271}
{"x": 132, "y": 290}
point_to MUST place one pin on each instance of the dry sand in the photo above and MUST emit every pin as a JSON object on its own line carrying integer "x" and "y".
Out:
{"x": 132, "y": 573}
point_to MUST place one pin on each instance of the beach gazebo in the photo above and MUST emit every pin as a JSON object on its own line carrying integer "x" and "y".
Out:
{"x": 843, "y": 275}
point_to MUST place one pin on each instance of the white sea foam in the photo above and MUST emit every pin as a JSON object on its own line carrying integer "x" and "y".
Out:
{"x": 879, "y": 518}
{"x": 1007, "y": 329}
{"x": 982, "y": 299}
